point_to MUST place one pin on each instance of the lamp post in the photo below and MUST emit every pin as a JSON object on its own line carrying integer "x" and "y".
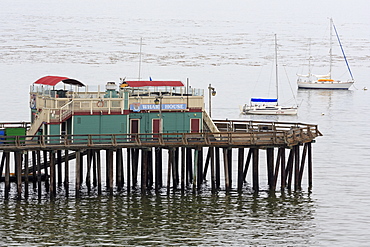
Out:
{"x": 158, "y": 101}
{"x": 211, "y": 92}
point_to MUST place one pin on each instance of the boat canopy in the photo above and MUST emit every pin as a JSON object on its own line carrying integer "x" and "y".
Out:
{"x": 154, "y": 83}
{"x": 54, "y": 80}
{"x": 263, "y": 100}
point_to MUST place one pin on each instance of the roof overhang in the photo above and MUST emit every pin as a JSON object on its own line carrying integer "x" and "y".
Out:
{"x": 54, "y": 80}
{"x": 154, "y": 83}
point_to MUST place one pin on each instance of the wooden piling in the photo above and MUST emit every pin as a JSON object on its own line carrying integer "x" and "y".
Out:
{"x": 18, "y": 167}
{"x": 240, "y": 169}
{"x": 59, "y": 167}
{"x": 2, "y": 165}
{"x": 66, "y": 172}
{"x": 309, "y": 166}
{"x": 226, "y": 171}
{"x": 270, "y": 167}
{"x": 98, "y": 164}
{"x": 247, "y": 163}
{"x": 34, "y": 170}
{"x": 95, "y": 168}
{"x": 169, "y": 169}
{"x": 26, "y": 171}
{"x": 230, "y": 164}
{"x": 208, "y": 158}
{"x": 200, "y": 168}
{"x": 213, "y": 175}
{"x": 296, "y": 167}
{"x": 45, "y": 163}
{"x": 289, "y": 169}
{"x": 78, "y": 171}
{"x": 135, "y": 165}
{"x": 255, "y": 170}
{"x": 183, "y": 164}
{"x": 277, "y": 168}
{"x": 110, "y": 164}
{"x": 301, "y": 168}
{"x": 175, "y": 170}
{"x": 52, "y": 174}
{"x": 217, "y": 168}
{"x": 189, "y": 167}
{"x": 39, "y": 174}
{"x": 195, "y": 169}
{"x": 144, "y": 170}
{"x": 128, "y": 164}
{"x": 150, "y": 169}
{"x": 88, "y": 170}
{"x": 7, "y": 174}
{"x": 119, "y": 168}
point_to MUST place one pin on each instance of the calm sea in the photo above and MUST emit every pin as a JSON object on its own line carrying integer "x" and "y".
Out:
{"x": 229, "y": 44}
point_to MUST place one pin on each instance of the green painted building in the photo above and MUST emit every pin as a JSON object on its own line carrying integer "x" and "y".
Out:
{"x": 130, "y": 107}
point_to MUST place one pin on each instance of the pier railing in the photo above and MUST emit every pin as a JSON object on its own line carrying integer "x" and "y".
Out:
{"x": 262, "y": 134}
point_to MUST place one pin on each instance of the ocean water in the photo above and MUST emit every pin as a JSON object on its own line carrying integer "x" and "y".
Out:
{"x": 229, "y": 44}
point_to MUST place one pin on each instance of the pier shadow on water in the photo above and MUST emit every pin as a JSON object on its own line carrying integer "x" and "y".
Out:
{"x": 161, "y": 219}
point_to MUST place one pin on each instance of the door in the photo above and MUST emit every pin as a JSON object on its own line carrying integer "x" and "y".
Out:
{"x": 134, "y": 127}
{"x": 156, "y": 127}
{"x": 194, "y": 125}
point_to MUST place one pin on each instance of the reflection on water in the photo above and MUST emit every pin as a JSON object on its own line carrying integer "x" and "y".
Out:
{"x": 161, "y": 220}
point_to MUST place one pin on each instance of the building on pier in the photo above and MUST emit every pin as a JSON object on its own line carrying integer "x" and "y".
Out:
{"x": 130, "y": 107}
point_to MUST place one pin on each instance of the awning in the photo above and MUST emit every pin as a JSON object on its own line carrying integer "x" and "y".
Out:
{"x": 54, "y": 80}
{"x": 154, "y": 83}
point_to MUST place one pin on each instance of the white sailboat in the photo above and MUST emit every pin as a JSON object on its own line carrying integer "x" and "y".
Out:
{"x": 269, "y": 106}
{"x": 312, "y": 81}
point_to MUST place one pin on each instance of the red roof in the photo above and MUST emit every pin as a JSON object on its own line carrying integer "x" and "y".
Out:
{"x": 155, "y": 83}
{"x": 54, "y": 80}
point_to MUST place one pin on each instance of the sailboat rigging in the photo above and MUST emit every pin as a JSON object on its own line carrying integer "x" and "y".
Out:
{"x": 313, "y": 81}
{"x": 269, "y": 106}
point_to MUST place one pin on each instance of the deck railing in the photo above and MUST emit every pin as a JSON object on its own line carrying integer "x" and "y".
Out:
{"x": 220, "y": 139}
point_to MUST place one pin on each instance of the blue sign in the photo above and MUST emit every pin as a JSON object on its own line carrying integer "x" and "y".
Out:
{"x": 136, "y": 107}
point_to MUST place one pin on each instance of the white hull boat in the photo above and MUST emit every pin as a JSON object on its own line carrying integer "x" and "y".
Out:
{"x": 269, "y": 110}
{"x": 324, "y": 84}
{"x": 312, "y": 81}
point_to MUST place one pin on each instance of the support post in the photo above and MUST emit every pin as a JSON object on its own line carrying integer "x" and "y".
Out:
{"x": 78, "y": 170}
{"x": 52, "y": 174}
{"x": 309, "y": 166}
{"x": 26, "y": 171}
{"x": 240, "y": 168}
{"x": 226, "y": 171}
{"x": 270, "y": 167}
{"x": 7, "y": 175}
{"x": 66, "y": 171}
{"x": 255, "y": 170}
{"x": 18, "y": 164}
{"x": 128, "y": 160}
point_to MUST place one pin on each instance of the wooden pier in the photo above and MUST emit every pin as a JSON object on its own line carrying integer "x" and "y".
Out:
{"x": 191, "y": 161}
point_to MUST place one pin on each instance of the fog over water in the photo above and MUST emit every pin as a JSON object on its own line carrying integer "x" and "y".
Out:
{"x": 229, "y": 44}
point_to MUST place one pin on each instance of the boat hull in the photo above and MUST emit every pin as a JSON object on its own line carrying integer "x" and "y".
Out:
{"x": 269, "y": 111}
{"x": 331, "y": 85}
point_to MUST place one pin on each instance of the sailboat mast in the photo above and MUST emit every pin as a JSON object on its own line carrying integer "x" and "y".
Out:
{"x": 331, "y": 45}
{"x": 309, "y": 58}
{"x": 276, "y": 71}
{"x": 141, "y": 43}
